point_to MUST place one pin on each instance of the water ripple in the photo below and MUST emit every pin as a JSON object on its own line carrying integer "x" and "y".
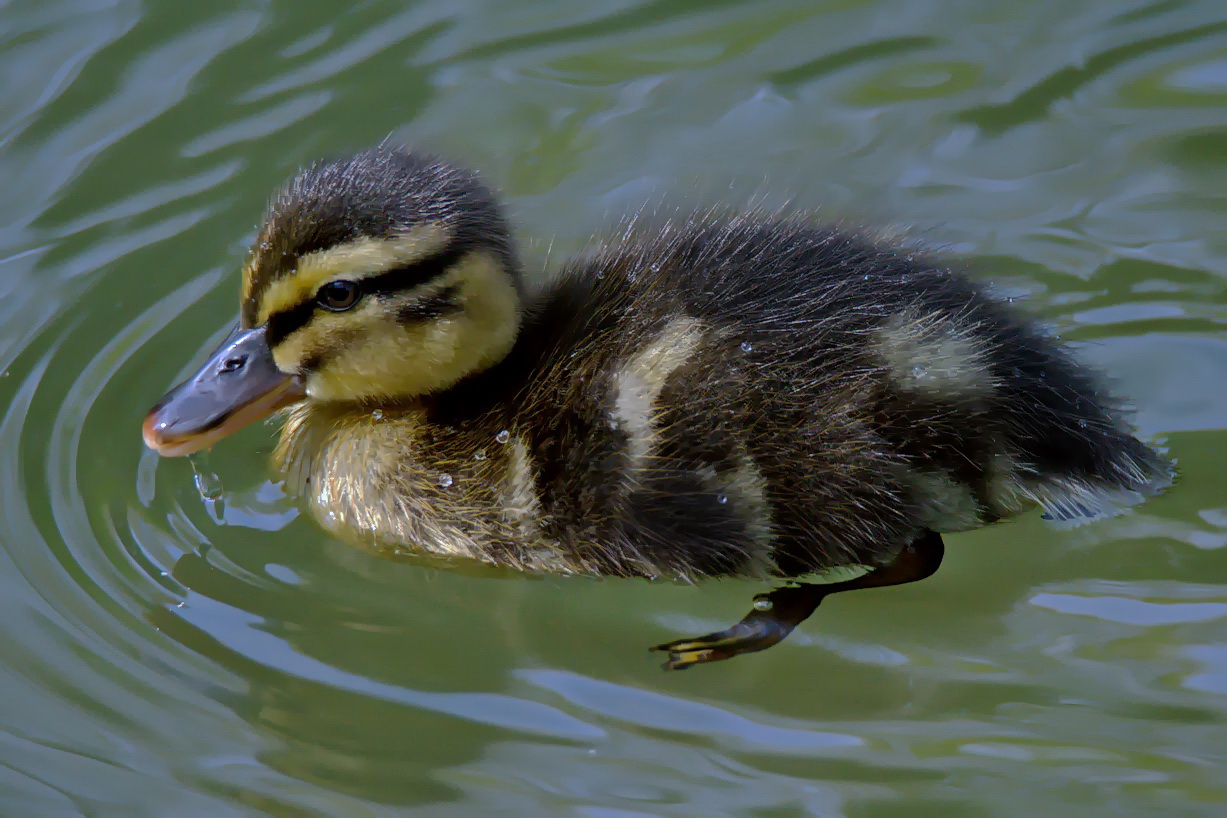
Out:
{"x": 170, "y": 654}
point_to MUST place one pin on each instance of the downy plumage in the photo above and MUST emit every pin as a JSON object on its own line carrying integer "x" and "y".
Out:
{"x": 708, "y": 395}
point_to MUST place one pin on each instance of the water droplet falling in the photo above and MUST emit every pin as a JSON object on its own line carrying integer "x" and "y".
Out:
{"x": 208, "y": 484}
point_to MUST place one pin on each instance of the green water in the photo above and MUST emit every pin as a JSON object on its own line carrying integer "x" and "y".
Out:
{"x": 166, "y": 655}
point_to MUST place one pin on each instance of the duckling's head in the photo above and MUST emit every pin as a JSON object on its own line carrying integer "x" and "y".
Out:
{"x": 377, "y": 278}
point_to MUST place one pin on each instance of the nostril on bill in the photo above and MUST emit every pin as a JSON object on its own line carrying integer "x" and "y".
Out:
{"x": 233, "y": 364}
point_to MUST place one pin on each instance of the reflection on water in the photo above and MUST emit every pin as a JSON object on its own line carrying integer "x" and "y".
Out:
{"x": 172, "y": 653}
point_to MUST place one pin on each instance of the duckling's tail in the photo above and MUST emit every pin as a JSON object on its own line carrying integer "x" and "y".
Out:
{"x": 1082, "y": 460}
{"x": 1138, "y": 473}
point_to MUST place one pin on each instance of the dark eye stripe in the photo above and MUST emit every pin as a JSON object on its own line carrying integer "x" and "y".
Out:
{"x": 282, "y": 324}
{"x": 444, "y": 302}
{"x": 412, "y": 275}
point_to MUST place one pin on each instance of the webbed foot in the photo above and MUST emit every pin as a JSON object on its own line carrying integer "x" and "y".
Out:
{"x": 774, "y": 616}
{"x": 776, "y": 613}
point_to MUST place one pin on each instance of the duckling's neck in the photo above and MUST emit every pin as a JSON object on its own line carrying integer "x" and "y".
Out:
{"x": 350, "y": 442}
{"x": 394, "y": 480}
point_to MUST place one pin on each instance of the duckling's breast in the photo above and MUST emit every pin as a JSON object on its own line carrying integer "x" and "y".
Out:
{"x": 391, "y": 481}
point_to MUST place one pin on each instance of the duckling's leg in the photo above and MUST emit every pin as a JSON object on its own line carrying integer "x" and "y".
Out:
{"x": 776, "y": 613}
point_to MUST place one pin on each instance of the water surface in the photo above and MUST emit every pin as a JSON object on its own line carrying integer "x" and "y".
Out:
{"x": 164, "y": 654}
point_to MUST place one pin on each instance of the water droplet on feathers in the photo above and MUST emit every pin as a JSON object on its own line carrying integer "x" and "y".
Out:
{"x": 746, "y": 346}
{"x": 763, "y": 605}
{"x": 722, "y": 498}
{"x": 920, "y": 371}
{"x": 445, "y": 480}
{"x": 377, "y": 414}
{"x": 503, "y": 436}
{"x": 479, "y": 455}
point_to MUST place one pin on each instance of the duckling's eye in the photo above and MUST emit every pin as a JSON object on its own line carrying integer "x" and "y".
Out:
{"x": 338, "y": 295}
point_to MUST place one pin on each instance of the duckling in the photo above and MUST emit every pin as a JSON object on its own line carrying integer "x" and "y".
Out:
{"x": 745, "y": 394}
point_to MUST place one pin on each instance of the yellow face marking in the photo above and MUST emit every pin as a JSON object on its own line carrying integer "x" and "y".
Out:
{"x": 355, "y": 260}
{"x": 369, "y": 354}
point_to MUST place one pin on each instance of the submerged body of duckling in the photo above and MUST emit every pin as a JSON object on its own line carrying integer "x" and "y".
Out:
{"x": 719, "y": 396}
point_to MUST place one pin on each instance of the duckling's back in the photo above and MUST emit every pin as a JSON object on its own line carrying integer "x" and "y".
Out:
{"x": 759, "y": 395}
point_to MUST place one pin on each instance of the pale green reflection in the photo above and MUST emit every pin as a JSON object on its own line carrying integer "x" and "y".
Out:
{"x": 170, "y": 655}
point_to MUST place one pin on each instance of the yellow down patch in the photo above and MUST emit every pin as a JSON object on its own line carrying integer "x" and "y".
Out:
{"x": 352, "y": 261}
